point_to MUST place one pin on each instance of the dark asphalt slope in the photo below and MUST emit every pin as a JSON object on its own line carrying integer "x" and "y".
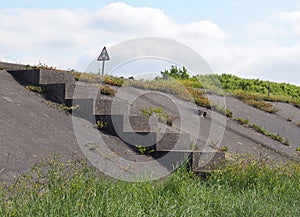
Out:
{"x": 274, "y": 123}
{"x": 214, "y": 130}
{"x": 30, "y": 129}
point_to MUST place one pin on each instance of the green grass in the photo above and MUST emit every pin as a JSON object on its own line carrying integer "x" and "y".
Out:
{"x": 37, "y": 89}
{"x": 261, "y": 130}
{"x": 182, "y": 89}
{"x": 242, "y": 121}
{"x": 255, "y": 100}
{"x": 101, "y": 125}
{"x": 253, "y": 88}
{"x": 241, "y": 189}
{"x": 144, "y": 150}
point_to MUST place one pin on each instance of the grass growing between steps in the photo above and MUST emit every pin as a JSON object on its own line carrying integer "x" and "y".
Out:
{"x": 37, "y": 89}
{"x": 243, "y": 188}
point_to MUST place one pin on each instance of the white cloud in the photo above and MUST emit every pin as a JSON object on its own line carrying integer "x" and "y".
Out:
{"x": 204, "y": 28}
{"x": 59, "y": 36}
{"x": 72, "y": 38}
{"x": 283, "y": 24}
{"x": 291, "y": 16}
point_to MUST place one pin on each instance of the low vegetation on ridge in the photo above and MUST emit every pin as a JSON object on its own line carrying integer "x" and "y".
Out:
{"x": 242, "y": 188}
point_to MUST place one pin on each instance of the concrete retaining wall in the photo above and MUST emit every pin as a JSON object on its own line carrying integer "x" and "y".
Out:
{"x": 12, "y": 66}
{"x": 42, "y": 76}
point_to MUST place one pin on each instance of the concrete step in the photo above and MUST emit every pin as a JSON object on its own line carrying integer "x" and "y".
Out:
{"x": 197, "y": 161}
{"x": 43, "y": 76}
{"x": 173, "y": 141}
{"x": 12, "y": 66}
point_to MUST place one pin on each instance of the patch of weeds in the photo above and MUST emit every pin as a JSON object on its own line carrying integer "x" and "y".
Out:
{"x": 114, "y": 81}
{"x": 37, "y": 89}
{"x": 193, "y": 146}
{"x": 269, "y": 134}
{"x": 144, "y": 150}
{"x": 107, "y": 90}
{"x": 224, "y": 111}
{"x": 242, "y": 121}
{"x": 256, "y": 101}
{"x": 199, "y": 97}
{"x": 298, "y": 149}
{"x": 159, "y": 112}
{"x": 151, "y": 111}
{"x": 67, "y": 108}
{"x": 101, "y": 125}
{"x": 261, "y": 130}
{"x": 76, "y": 74}
{"x": 223, "y": 148}
{"x": 278, "y": 138}
{"x": 258, "y": 129}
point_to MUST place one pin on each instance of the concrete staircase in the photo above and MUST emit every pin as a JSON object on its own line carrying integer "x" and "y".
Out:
{"x": 61, "y": 87}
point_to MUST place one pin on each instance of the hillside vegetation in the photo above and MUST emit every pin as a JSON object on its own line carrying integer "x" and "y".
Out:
{"x": 243, "y": 188}
{"x": 251, "y": 91}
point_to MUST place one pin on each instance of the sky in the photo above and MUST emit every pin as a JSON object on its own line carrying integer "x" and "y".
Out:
{"x": 252, "y": 39}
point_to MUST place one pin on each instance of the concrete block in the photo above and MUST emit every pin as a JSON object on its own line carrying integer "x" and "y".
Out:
{"x": 173, "y": 141}
{"x": 43, "y": 76}
{"x": 141, "y": 139}
{"x": 49, "y": 76}
{"x": 56, "y": 92}
{"x": 31, "y": 77}
{"x": 103, "y": 106}
{"x": 12, "y": 66}
{"x": 136, "y": 123}
{"x": 85, "y": 109}
{"x": 80, "y": 91}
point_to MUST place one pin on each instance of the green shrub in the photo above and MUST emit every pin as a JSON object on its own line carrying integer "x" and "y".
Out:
{"x": 107, "y": 90}
{"x": 114, "y": 81}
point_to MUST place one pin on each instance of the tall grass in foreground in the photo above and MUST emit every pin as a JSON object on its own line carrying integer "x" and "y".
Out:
{"x": 239, "y": 189}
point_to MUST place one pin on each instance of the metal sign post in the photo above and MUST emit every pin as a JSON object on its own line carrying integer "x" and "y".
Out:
{"x": 103, "y": 57}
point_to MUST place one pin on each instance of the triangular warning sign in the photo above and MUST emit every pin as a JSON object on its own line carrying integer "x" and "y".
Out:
{"x": 104, "y": 55}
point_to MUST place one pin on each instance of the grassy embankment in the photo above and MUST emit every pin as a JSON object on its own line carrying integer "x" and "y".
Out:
{"x": 254, "y": 91}
{"x": 243, "y": 188}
